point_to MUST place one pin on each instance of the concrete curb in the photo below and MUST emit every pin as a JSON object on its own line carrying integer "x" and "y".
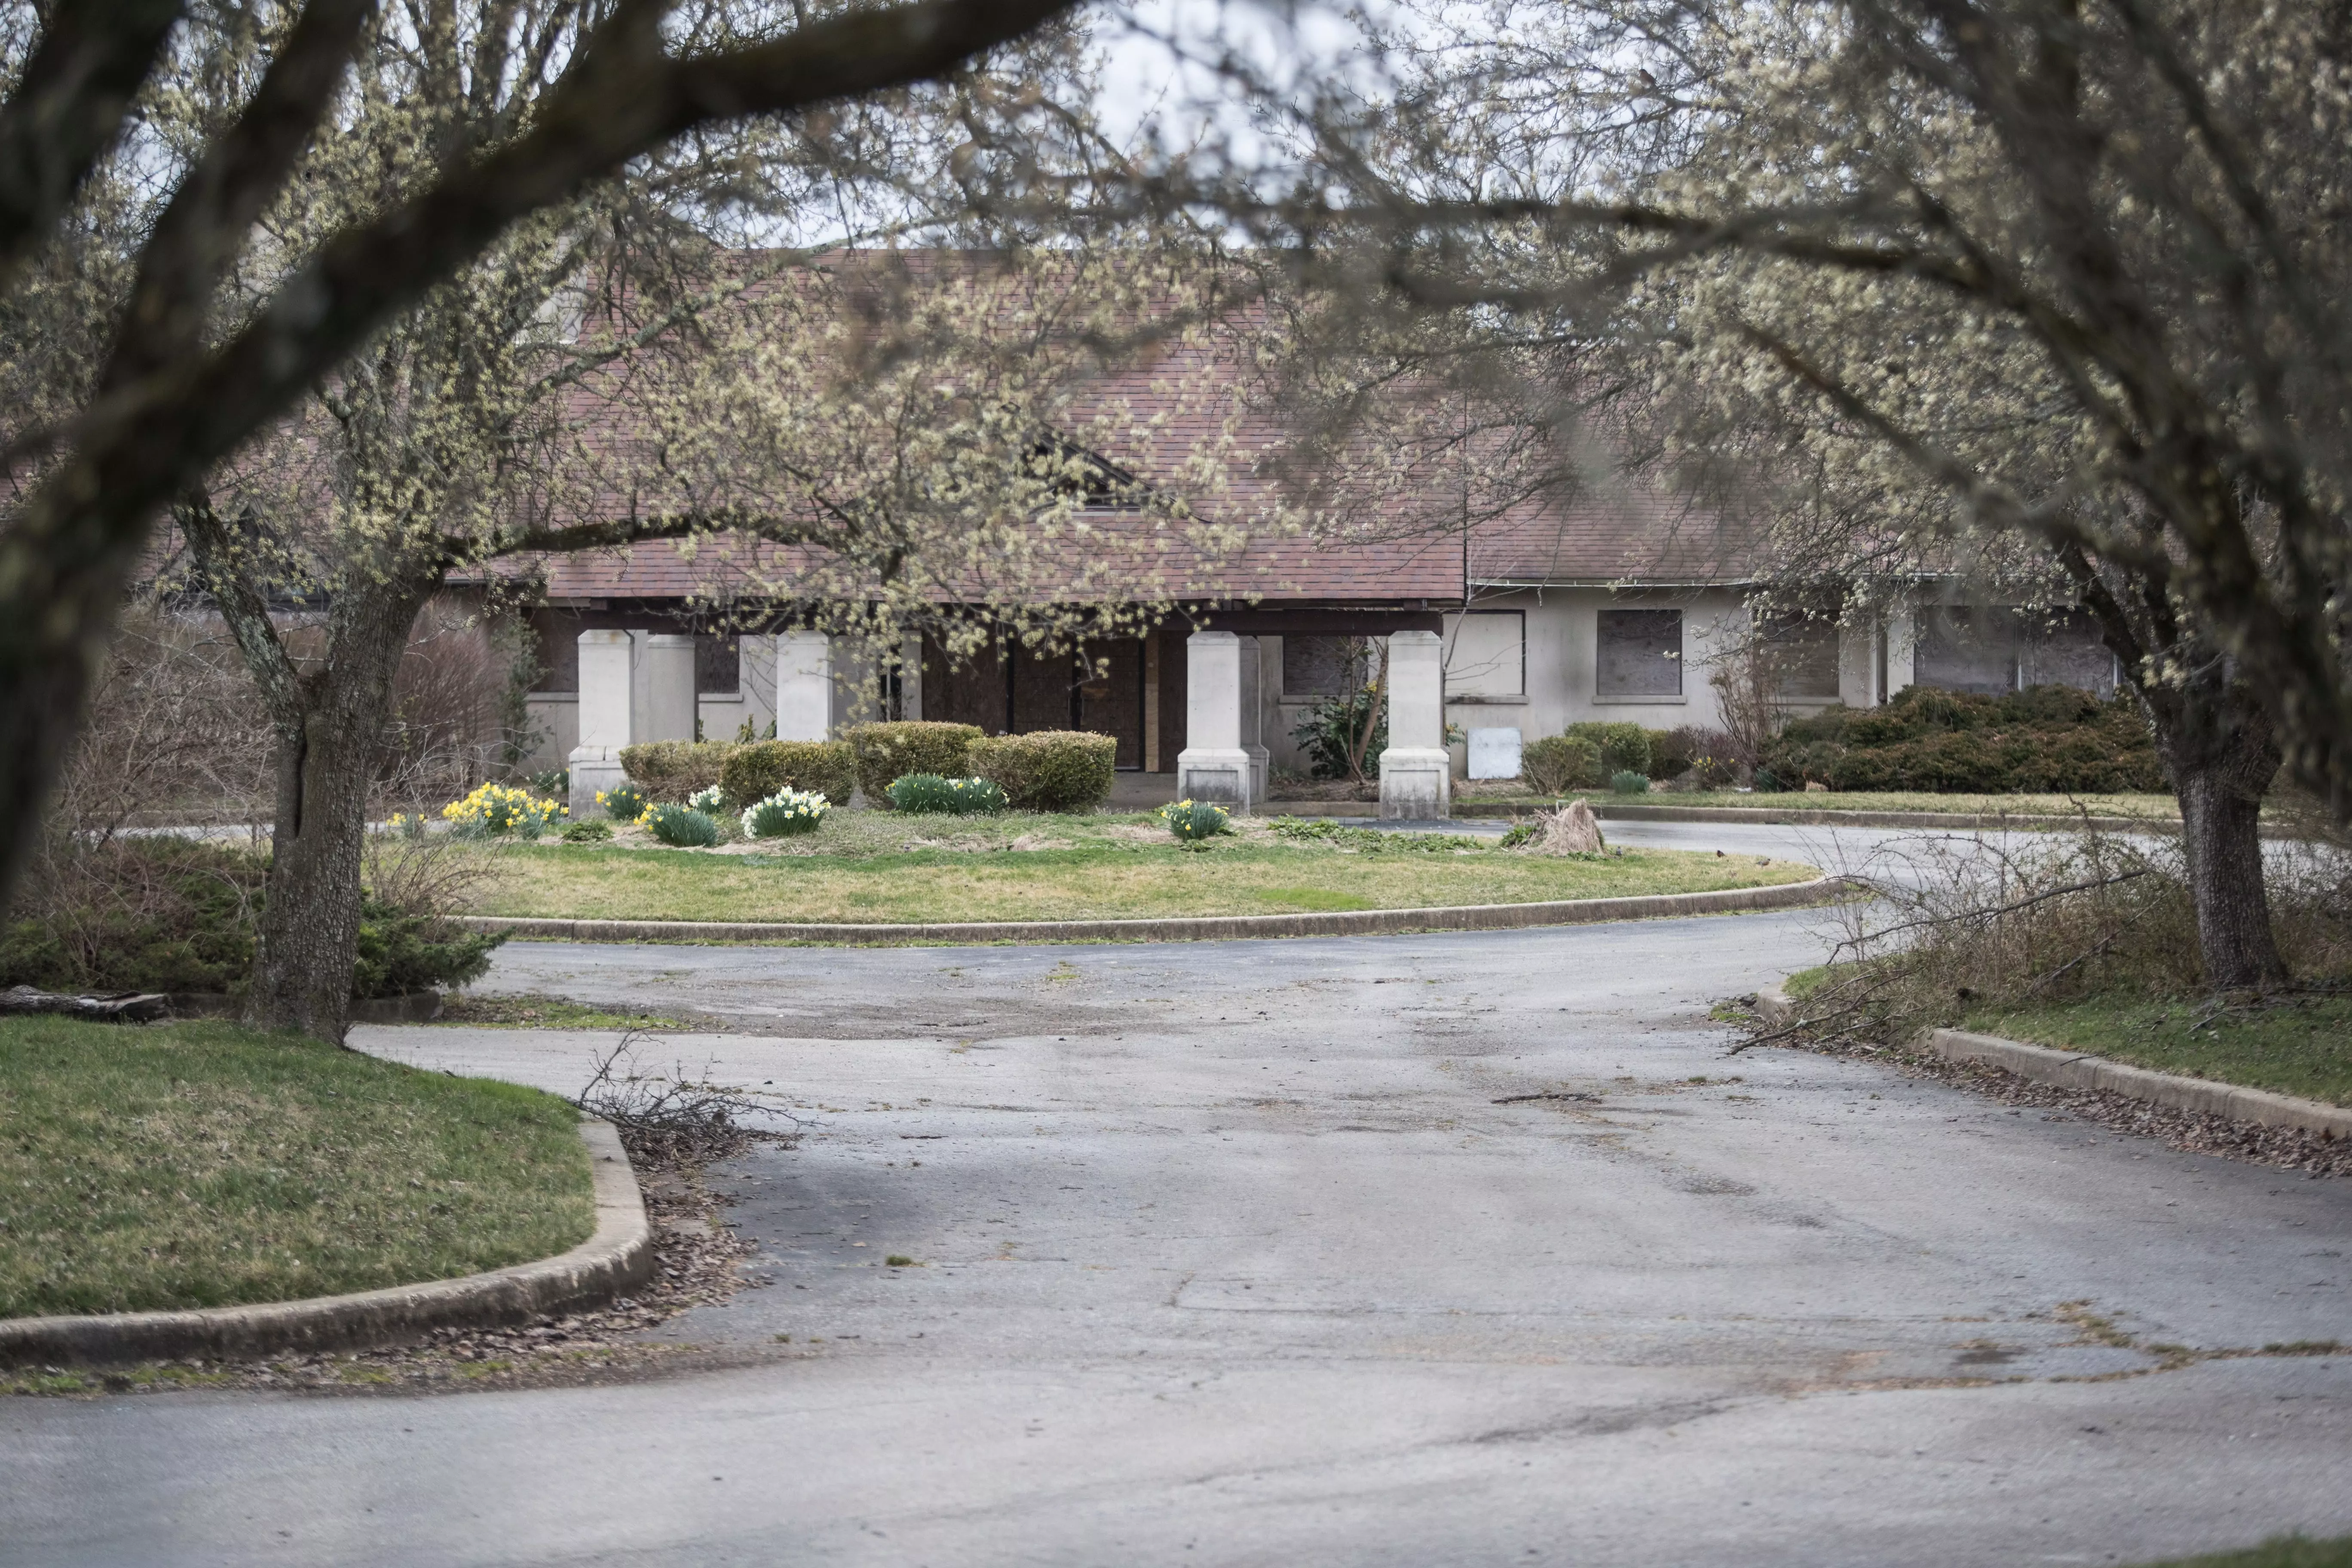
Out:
{"x": 1201, "y": 928}
{"x": 617, "y": 1256}
{"x": 2077, "y": 1069}
{"x": 1757, "y": 815}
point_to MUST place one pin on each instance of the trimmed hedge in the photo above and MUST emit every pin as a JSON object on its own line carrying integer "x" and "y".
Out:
{"x": 2043, "y": 740}
{"x": 1047, "y": 770}
{"x": 672, "y": 770}
{"x": 889, "y": 752}
{"x": 820, "y": 767}
{"x": 1557, "y": 763}
{"x": 1625, "y": 748}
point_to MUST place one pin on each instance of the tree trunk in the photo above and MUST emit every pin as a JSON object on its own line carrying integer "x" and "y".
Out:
{"x": 310, "y": 922}
{"x": 2218, "y": 746}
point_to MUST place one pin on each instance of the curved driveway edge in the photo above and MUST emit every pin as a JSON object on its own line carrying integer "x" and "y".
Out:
{"x": 2079, "y": 1069}
{"x": 617, "y": 1256}
{"x": 1197, "y": 928}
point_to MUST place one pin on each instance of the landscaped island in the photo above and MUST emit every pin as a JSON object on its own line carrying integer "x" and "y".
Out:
{"x": 866, "y": 867}
{"x": 205, "y": 1165}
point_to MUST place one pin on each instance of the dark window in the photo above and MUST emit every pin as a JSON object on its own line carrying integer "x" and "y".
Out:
{"x": 1802, "y": 652}
{"x": 1323, "y": 666}
{"x": 1963, "y": 650}
{"x": 718, "y": 665}
{"x": 1641, "y": 654}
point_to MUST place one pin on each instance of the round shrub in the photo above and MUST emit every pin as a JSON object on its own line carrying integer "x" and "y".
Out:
{"x": 786, "y": 814}
{"x": 887, "y": 753}
{"x": 1195, "y": 822}
{"x": 760, "y": 770}
{"x": 1629, "y": 781}
{"x": 1625, "y": 748}
{"x": 1558, "y": 763}
{"x": 674, "y": 770}
{"x": 1048, "y": 770}
{"x": 623, "y": 802}
{"x": 929, "y": 793}
{"x": 680, "y": 826}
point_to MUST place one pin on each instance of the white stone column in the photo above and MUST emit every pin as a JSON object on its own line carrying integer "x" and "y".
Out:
{"x": 1214, "y": 766}
{"x": 1902, "y": 634}
{"x": 911, "y": 677}
{"x": 1416, "y": 773}
{"x": 666, "y": 662}
{"x": 1252, "y": 699}
{"x": 606, "y": 697}
{"x": 803, "y": 685}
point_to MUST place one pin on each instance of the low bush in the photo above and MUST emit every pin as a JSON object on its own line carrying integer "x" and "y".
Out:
{"x": 820, "y": 767}
{"x": 587, "y": 833}
{"x": 1196, "y": 822}
{"x": 1629, "y": 781}
{"x": 1557, "y": 763}
{"x": 786, "y": 814}
{"x": 1700, "y": 759}
{"x": 887, "y": 753}
{"x": 1048, "y": 770}
{"x": 674, "y": 770}
{"x": 2046, "y": 739}
{"x": 1623, "y": 748}
{"x": 1329, "y": 734}
{"x": 623, "y": 802}
{"x": 930, "y": 793}
{"x": 680, "y": 826}
{"x": 168, "y": 914}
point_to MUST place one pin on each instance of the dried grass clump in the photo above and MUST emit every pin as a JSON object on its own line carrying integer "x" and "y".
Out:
{"x": 1973, "y": 922}
{"x": 1570, "y": 829}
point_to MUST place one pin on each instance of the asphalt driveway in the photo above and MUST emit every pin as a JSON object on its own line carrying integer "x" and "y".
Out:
{"x": 1261, "y": 1253}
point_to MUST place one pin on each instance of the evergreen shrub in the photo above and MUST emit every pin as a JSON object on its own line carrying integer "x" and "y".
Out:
{"x": 885, "y": 753}
{"x": 1557, "y": 763}
{"x": 1048, "y": 770}
{"x": 821, "y": 767}
{"x": 673, "y": 769}
{"x": 2045, "y": 739}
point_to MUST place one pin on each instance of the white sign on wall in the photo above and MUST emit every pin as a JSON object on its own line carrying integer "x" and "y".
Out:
{"x": 1493, "y": 754}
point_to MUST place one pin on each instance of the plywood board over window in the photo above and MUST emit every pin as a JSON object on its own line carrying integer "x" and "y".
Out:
{"x": 1802, "y": 655}
{"x": 1323, "y": 666}
{"x": 1487, "y": 654}
{"x": 1640, "y": 653}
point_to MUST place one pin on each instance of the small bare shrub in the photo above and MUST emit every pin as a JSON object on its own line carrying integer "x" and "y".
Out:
{"x": 1965, "y": 921}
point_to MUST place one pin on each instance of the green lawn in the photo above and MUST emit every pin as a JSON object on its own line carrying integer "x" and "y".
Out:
{"x": 2286, "y": 1552}
{"x": 202, "y": 1164}
{"x": 876, "y": 867}
{"x": 1467, "y": 803}
{"x": 2301, "y": 1046}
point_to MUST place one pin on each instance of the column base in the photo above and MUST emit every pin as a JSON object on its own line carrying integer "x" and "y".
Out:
{"x": 1261, "y": 773}
{"x": 1226, "y": 778}
{"x": 1416, "y": 783}
{"x": 594, "y": 768}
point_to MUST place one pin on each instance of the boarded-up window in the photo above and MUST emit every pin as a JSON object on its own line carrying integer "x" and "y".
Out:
{"x": 1486, "y": 654}
{"x": 1323, "y": 666}
{"x": 2063, "y": 647}
{"x": 1965, "y": 650}
{"x": 1640, "y": 653}
{"x": 1802, "y": 652}
{"x": 718, "y": 665}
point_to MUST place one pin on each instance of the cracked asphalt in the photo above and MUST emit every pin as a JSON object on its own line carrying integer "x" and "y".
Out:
{"x": 1257, "y": 1253}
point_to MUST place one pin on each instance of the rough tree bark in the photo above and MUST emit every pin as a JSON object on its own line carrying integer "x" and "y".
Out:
{"x": 2217, "y": 742}
{"x": 329, "y": 720}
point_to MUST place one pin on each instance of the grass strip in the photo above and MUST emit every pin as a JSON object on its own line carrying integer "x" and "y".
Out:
{"x": 2290, "y": 1044}
{"x": 2161, "y": 806}
{"x": 1077, "y": 880}
{"x": 2282, "y": 1551}
{"x": 202, "y": 1164}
